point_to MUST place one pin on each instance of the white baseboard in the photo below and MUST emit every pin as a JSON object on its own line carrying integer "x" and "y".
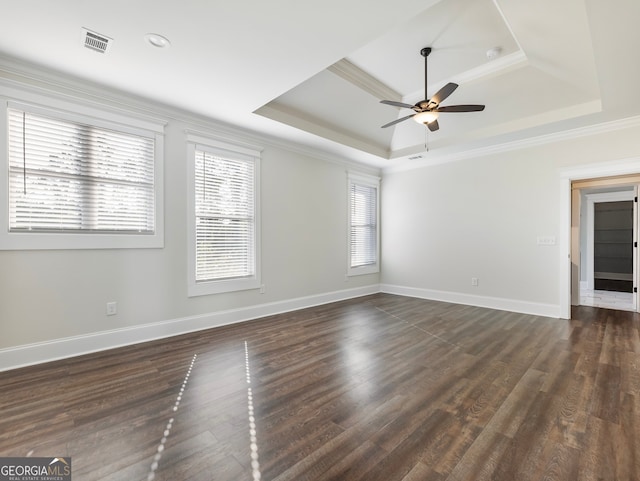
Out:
{"x": 524, "y": 307}
{"x": 37, "y": 353}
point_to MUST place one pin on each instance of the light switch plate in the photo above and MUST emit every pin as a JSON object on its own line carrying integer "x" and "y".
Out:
{"x": 549, "y": 240}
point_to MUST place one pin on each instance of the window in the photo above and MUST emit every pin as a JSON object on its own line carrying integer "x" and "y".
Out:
{"x": 223, "y": 217}
{"x": 363, "y": 224}
{"x": 74, "y": 182}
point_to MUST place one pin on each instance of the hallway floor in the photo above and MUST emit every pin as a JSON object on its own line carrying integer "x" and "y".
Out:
{"x": 622, "y": 301}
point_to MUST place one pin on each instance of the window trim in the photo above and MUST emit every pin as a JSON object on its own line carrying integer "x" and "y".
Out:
{"x": 83, "y": 240}
{"x": 370, "y": 181}
{"x": 203, "y": 288}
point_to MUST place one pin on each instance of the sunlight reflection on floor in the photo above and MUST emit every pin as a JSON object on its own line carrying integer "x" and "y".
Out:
{"x": 167, "y": 429}
{"x": 255, "y": 465}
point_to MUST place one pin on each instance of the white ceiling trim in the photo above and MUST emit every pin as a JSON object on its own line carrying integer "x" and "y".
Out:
{"x": 530, "y": 121}
{"x": 15, "y": 76}
{"x": 507, "y": 23}
{"x": 364, "y": 81}
{"x": 18, "y": 78}
{"x": 304, "y": 121}
{"x": 499, "y": 66}
{"x": 428, "y": 159}
{"x": 361, "y": 79}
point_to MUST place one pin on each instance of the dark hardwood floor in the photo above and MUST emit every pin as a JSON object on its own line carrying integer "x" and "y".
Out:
{"x": 380, "y": 388}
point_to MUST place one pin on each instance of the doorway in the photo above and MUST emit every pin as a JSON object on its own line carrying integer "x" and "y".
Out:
{"x": 607, "y": 267}
{"x": 568, "y": 235}
{"x": 613, "y": 246}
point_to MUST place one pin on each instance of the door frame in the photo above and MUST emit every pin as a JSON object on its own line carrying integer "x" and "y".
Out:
{"x": 566, "y": 176}
{"x": 596, "y": 198}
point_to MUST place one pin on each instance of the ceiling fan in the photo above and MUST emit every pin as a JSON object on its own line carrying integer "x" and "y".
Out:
{"x": 426, "y": 111}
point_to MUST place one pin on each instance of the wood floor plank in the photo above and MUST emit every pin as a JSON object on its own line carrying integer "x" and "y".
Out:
{"x": 482, "y": 458}
{"x": 606, "y": 393}
{"x": 598, "y": 461}
{"x": 527, "y": 453}
{"x": 382, "y": 387}
{"x": 573, "y": 413}
{"x": 356, "y": 464}
{"x": 511, "y": 413}
{"x": 420, "y": 472}
{"x": 630, "y": 373}
{"x": 562, "y": 463}
{"x": 628, "y": 440}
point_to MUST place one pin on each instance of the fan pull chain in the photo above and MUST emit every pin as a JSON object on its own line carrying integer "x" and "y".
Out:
{"x": 426, "y": 139}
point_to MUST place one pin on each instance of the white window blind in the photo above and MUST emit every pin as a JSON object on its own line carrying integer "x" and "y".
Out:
{"x": 72, "y": 177}
{"x": 363, "y": 235}
{"x": 225, "y": 234}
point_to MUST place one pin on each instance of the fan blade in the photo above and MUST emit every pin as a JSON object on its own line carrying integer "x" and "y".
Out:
{"x": 396, "y": 104}
{"x": 461, "y": 108}
{"x": 433, "y": 126}
{"x": 396, "y": 121}
{"x": 444, "y": 92}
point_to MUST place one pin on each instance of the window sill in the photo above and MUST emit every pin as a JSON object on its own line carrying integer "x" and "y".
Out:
{"x": 42, "y": 241}
{"x": 363, "y": 270}
{"x": 218, "y": 287}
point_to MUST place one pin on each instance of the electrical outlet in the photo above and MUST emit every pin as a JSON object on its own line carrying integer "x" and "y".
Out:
{"x": 262, "y": 289}
{"x": 474, "y": 281}
{"x": 112, "y": 308}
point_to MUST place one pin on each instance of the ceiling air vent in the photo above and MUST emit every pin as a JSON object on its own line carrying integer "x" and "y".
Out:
{"x": 415, "y": 157}
{"x": 96, "y": 41}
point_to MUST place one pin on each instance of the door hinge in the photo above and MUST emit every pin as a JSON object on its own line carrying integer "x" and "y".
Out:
{"x": 635, "y": 289}
{"x": 635, "y": 244}
{"x": 635, "y": 199}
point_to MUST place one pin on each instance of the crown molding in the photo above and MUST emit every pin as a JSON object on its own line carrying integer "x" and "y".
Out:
{"x": 303, "y": 121}
{"x": 361, "y": 79}
{"x": 569, "y": 134}
{"x": 26, "y": 77}
{"x": 499, "y": 66}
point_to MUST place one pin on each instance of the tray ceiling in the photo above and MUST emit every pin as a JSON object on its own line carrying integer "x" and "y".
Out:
{"x": 313, "y": 73}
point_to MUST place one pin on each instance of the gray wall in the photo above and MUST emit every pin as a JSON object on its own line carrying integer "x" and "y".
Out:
{"x": 50, "y": 295}
{"x": 441, "y": 225}
{"x": 480, "y": 217}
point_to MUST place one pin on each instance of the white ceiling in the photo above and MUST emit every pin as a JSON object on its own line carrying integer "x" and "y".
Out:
{"x": 313, "y": 72}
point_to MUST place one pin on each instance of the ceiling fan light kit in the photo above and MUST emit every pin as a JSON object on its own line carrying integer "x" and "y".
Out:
{"x": 425, "y": 117}
{"x": 427, "y": 111}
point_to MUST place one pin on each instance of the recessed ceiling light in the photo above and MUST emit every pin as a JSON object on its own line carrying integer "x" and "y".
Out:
{"x": 157, "y": 40}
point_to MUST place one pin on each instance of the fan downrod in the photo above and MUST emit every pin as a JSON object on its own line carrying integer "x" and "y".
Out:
{"x": 430, "y": 105}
